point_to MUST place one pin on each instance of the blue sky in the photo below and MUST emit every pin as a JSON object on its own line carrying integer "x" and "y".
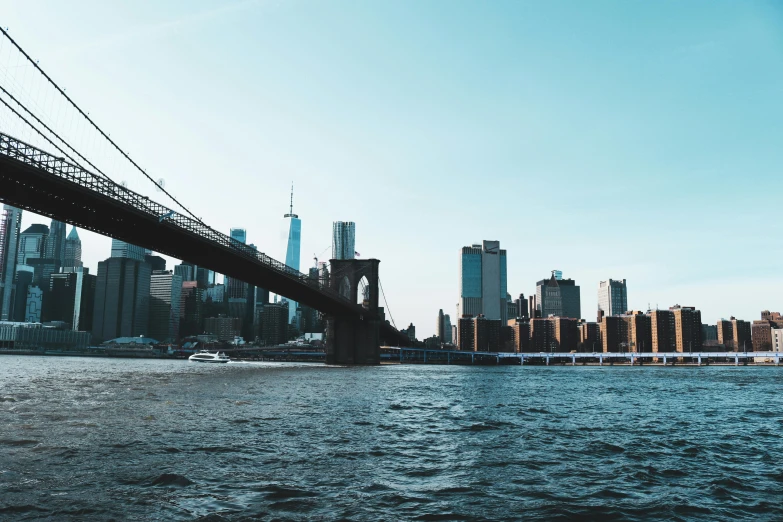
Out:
{"x": 623, "y": 139}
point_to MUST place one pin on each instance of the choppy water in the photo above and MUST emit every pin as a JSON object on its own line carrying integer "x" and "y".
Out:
{"x": 106, "y": 439}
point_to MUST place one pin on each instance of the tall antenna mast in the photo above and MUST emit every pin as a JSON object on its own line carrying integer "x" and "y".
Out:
{"x": 291, "y": 208}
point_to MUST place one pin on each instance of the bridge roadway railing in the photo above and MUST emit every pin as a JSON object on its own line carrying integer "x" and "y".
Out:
{"x": 35, "y": 157}
{"x": 435, "y": 355}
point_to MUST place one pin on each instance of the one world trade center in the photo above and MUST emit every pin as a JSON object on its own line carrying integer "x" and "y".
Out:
{"x": 292, "y": 251}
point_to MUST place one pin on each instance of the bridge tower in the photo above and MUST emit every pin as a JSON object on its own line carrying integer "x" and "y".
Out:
{"x": 352, "y": 339}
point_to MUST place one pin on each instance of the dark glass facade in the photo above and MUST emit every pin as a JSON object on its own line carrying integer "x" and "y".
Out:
{"x": 122, "y": 297}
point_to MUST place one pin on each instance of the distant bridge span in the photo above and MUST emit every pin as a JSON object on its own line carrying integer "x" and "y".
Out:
{"x": 35, "y": 180}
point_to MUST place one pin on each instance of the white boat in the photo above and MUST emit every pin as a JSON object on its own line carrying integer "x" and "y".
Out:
{"x": 209, "y": 357}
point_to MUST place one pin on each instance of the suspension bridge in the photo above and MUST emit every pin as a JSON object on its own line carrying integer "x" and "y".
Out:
{"x": 45, "y": 171}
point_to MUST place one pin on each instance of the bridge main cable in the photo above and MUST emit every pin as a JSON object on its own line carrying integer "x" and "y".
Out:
{"x": 62, "y": 92}
{"x": 20, "y": 104}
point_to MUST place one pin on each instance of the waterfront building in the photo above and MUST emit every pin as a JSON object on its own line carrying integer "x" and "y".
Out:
{"x": 566, "y": 334}
{"x": 687, "y": 328}
{"x": 614, "y": 334}
{"x": 662, "y": 329}
{"x": 223, "y": 328}
{"x": 71, "y": 298}
{"x": 542, "y": 335}
{"x": 447, "y": 338}
{"x": 483, "y": 281}
{"x": 466, "y": 333}
{"x": 742, "y": 334}
{"x": 735, "y": 334}
{"x": 55, "y": 243}
{"x": 612, "y": 297}
{"x": 725, "y": 333}
{"x": 32, "y": 243}
{"x": 520, "y": 335}
{"x": 639, "y": 331}
{"x": 190, "y": 309}
{"x": 292, "y": 255}
{"x": 486, "y": 334}
{"x": 558, "y": 297}
{"x": 761, "y": 335}
{"x": 274, "y": 324}
{"x": 709, "y": 332}
{"x": 73, "y": 250}
{"x": 776, "y": 343}
{"x": 121, "y": 249}
{"x": 589, "y": 337}
{"x": 37, "y": 337}
{"x": 10, "y": 230}
{"x": 122, "y": 299}
{"x": 761, "y": 331}
{"x": 165, "y": 302}
{"x": 343, "y": 240}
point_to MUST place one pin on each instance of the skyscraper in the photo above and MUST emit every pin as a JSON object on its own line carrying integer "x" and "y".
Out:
{"x": 440, "y": 330}
{"x": 483, "y": 281}
{"x": 24, "y": 280}
{"x": 687, "y": 328}
{"x": 73, "y": 250}
{"x": 126, "y": 250}
{"x": 239, "y": 234}
{"x": 10, "y": 227}
{"x": 55, "y": 243}
{"x": 165, "y": 297}
{"x": 32, "y": 243}
{"x": 71, "y": 298}
{"x": 292, "y": 255}
{"x": 664, "y": 338}
{"x": 343, "y": 240}
{"x": 447, "y": 329}
{"x": 122, "y": 299}
{"x": 155, "y": 262}
{"x": 612, "y": 297}
{"x": 558, "y": 297}
{"x": 190, "y": 309}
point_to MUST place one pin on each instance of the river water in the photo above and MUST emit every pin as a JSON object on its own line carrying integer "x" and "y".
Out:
{"x": 102, "y": 439}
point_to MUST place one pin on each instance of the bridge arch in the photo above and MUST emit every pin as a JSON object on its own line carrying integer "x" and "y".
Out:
{"x": 351, "y": 339}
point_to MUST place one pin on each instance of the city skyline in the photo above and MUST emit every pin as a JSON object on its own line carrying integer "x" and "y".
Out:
{"x": 645, "y": 126}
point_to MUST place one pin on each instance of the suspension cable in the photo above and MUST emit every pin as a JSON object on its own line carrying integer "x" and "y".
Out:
{"x": 387, "y": 303}
{"x": 44, "y": 136}
{"x": 33, "y": 62}
{"x": 55, "y": 134}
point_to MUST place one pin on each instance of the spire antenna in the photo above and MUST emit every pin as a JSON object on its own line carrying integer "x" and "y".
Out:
{"x": 291, "y": 207}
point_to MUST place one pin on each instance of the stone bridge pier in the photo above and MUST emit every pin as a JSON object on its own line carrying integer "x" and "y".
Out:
{"x": 355, "y": 339}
